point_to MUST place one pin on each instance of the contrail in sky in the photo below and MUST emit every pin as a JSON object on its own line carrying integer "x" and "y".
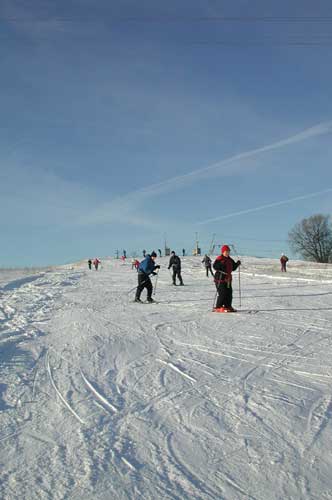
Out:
{"x": 270, "y": 205}
{"x": 125, "y": 206}
{"x": 215, "y": 168}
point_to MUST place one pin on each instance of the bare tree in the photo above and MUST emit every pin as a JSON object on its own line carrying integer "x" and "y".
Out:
{"x": 312, "y": 238}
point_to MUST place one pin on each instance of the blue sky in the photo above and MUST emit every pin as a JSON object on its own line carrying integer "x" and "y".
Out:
{"x": 125, "y": 121}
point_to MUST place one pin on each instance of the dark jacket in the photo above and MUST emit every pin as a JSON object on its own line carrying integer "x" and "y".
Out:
{"x": 207, "y": 261}
{"x": 224, "y": 267}
{"x": 147, "y": 266}
{"x": 175, "y": 262}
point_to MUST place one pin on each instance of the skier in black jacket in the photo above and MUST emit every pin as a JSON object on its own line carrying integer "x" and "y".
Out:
{"x": 207, "y": 263}
{"x": 175, "y": 264}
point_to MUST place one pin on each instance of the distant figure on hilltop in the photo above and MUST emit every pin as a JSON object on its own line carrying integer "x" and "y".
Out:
{"x": 159, "y": 251}
{"x": 208, "y": 265}
{"x": 89, "y": 263}
{"x": 125, "y": 254}
{"x": 175, "y": 264}
{"x": 96, "y": 263}
{"x": 283, "y": 261}
{"x": 183, "y": 252}
{"x": 144, "y": 253}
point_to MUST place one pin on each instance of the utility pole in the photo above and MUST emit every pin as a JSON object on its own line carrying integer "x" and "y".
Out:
{"x": 212, "y": 244}
{"x": 167, "y": 249}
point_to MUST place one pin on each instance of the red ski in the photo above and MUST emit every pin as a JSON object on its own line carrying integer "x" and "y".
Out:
{"x": 224, "y": 310}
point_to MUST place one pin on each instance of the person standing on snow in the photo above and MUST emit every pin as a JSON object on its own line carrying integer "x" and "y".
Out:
{"x": 96, "y": 263}
{"x": 224, "y": 265}
{"x": 146, "y": 267}
{"x": 207, "y": 263}
{"x": 89, "y": 263}
{"x": 283, "y": 262}
{"x": 159, "y": 251}
{"x": 175, "y": 264}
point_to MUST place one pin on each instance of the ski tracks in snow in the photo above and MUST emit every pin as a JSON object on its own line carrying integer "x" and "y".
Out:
{"x": 193, "y": 406}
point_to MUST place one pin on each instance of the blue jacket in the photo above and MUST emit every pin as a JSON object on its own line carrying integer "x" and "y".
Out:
{"x": 147, "y": 266}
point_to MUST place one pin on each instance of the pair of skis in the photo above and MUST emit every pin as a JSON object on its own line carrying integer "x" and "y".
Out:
{"x": 223, "y": 310}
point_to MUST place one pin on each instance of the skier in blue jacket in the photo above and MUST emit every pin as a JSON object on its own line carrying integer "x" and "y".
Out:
{"x": 146, "y": 267}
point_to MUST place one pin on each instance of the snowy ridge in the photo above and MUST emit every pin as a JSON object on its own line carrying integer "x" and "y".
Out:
{"x": 114, "y": 400}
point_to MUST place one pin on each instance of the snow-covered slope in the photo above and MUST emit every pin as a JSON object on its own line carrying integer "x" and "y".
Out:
{"x": 103, "y": 398}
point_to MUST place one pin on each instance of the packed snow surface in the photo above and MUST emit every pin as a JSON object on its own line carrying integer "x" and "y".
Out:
{"x": 103, "y": 398}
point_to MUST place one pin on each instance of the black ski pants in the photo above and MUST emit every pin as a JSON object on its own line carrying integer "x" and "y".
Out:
{"x": 143, "y": 282}
{"x": 225, "y": 295}
{"x": 208, "y": 268}
{"x": 177, "y": 273}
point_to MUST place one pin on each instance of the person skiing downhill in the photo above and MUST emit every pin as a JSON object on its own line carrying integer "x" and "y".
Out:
{"x": 175, "y": 264}
{"x": 207, "y": 263}
{"x": 146, "y": 267}
{"x": 224, "y": 265}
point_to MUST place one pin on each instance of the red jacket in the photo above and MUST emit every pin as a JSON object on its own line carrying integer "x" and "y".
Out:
{"x": 224, "y": 267}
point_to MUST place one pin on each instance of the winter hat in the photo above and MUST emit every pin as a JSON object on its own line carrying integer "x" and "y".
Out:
{"x": 224, "y": 248}
{"x": 153, "y": 254}
{"x": 173, "y": 252}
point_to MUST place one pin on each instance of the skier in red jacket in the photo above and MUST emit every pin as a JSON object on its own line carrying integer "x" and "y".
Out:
{"x": 96, "y": 263}
{"x": 283, "y": 262}
{"x": 224, "y": 265}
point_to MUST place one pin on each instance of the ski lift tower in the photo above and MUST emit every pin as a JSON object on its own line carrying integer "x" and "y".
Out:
{"x": 167, "y": 249}
{"x": 197, "y": 250}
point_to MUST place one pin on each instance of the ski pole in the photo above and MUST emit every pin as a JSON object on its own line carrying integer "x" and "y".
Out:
{"x": 239, "y": 274}
{"x": 155, "y": 285}
{"x": 240, "y": 285}
{"x": 215, "y": 297}
{"x": 134, "y": 288}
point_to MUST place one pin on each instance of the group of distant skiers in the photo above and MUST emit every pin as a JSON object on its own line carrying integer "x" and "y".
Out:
{"x": 223, "y": 266}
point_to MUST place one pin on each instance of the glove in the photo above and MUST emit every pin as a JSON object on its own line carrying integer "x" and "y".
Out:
{"x": 238, "y": 262}
{"x": 153, "y": 273}
{"x": 157, "y": 267}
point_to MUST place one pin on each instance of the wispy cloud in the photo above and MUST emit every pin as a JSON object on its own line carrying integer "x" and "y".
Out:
{"x": 125, "y": 207}
{"x": 269, "y": 205}
{"x": 221, "y": 166}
